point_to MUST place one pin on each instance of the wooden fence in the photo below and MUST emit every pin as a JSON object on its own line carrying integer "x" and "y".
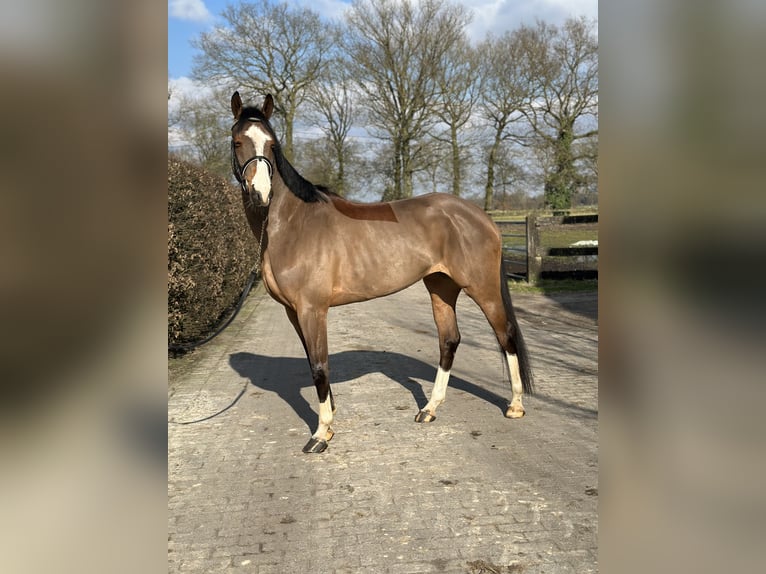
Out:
{"x": 530, "y": 259}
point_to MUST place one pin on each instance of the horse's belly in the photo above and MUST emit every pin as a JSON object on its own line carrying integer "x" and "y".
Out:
{"x": 371, "y": 283}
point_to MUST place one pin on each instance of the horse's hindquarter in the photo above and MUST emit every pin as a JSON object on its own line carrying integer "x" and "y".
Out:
{"x": 463, "y": 237}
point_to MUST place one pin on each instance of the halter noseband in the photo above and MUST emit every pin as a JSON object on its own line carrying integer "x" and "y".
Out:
{"x": 239, "y": 172}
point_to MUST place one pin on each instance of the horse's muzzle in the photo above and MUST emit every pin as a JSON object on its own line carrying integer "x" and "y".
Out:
{"x": 257, "y": 198}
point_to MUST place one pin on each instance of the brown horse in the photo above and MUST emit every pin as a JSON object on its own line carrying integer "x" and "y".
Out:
{"x": 320, "y": 250}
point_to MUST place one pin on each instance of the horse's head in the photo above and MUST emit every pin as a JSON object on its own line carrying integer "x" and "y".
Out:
{"x": 252, "y": 158}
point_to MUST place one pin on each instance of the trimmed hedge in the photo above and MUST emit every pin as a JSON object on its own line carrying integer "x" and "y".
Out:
{"x": 211, "y": 250}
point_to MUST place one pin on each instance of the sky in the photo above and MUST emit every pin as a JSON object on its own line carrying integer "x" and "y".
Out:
{"x": 188, "y": 18}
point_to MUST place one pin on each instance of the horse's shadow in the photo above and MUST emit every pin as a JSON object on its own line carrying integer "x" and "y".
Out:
{"x": 286, "y": 376}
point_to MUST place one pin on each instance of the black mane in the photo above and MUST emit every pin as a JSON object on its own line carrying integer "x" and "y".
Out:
{"x": 295, "y": 182}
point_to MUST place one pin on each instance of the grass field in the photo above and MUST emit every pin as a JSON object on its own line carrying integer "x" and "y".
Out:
{"x": 550, "y": 235}
{"x": 547, "y": 286}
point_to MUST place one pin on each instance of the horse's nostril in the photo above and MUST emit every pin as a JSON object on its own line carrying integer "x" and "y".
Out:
{"x": 258, "y": 199}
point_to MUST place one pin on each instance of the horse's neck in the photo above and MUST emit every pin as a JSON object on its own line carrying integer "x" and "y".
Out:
{"x": 285, "y": 206}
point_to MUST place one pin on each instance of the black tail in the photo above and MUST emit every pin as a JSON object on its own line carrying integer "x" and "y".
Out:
{"x": 514, "y": 334}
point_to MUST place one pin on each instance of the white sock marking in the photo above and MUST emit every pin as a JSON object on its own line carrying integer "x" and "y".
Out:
{"x": 325, "y": 418}
{"x": 513, "y": 367}
{"x": 439, "y": 391}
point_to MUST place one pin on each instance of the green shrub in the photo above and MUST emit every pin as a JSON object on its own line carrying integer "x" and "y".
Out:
{"x": 210, "y": 250}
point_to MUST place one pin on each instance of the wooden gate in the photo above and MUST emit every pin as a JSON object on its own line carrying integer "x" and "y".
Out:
{"x": 530, "y": 259}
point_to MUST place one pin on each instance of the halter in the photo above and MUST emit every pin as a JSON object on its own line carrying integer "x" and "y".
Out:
{"x": 239, "y": 172}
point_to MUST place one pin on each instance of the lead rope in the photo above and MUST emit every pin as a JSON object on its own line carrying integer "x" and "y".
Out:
{"x": 255, "y": 271}
{"x": 258, "y": 263}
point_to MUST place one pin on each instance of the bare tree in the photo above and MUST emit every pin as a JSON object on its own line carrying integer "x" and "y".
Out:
{"x": 172, "y": 120}
{"x": 203, "y": 127}
{"x": 434, "y": 163}
{"x": 266, "y": 47}
{"x": 335, "y": 111}
{"x": 397, "y": 49}
{"x": 507, "y": 90}
{"x": 511, "y": 178}
{"x": 459, "y": 83}
{"x": 316, "y": 161}
{"x": 564, "y": 117}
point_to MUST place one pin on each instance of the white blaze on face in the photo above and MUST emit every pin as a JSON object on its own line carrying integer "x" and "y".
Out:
{"x": 260, "y": 179}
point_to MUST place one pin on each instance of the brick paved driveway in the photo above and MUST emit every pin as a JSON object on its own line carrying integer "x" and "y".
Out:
{"x": 472, "y": 492}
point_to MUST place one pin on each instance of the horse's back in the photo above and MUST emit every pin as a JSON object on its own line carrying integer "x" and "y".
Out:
{"x": 363, "y": 211}
{"x": 450, "y": 213}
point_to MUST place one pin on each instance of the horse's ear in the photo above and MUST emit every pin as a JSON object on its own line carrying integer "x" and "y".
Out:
{"x": 236, "y": 105}
{"x": 268, "y": 106}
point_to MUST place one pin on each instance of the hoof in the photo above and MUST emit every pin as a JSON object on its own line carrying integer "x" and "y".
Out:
{"x": 424, "y": 417}
{"x": 328, "y": 436}
{"x": 315, "y": 446}
{"x": 514, "y": 412}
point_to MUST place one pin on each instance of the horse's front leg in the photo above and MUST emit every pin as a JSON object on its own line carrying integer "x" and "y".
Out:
{"x": 313, "y": 330}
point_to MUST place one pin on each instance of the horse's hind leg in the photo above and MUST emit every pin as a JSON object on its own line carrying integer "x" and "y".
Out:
{"x": 499, "y": 314}
{"x": 444, "y": 292}
{"x": 311, "y": 326}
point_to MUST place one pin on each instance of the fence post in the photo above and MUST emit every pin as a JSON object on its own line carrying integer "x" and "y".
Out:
{"x": 534, "y": 260}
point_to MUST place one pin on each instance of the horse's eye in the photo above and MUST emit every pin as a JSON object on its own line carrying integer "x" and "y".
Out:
{"x": 237, "y": 144}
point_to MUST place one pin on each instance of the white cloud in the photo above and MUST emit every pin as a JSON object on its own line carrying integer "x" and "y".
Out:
{"x": 194, "y": 10}
{"x": 497, "y": 16}
{"x": 330, "y": 9}
{"x": 184, "y": 87}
